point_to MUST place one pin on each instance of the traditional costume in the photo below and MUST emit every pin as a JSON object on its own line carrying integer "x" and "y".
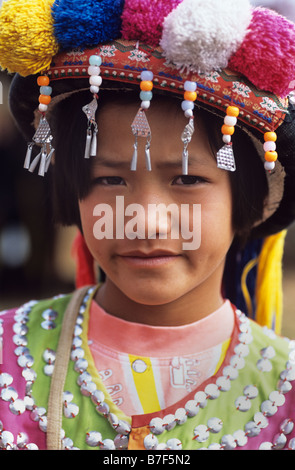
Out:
{"x": 65, "y": 381}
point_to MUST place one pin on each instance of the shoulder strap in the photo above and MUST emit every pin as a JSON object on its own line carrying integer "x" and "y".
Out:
{"x": 54, "y": 412}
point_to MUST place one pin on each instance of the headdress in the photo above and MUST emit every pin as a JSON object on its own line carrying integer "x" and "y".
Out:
{"x": 227, "y": 57}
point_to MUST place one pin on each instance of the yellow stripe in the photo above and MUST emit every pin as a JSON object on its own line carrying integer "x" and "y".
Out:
{"x": 224, "y": 349}
{"x": 145, "y": 385}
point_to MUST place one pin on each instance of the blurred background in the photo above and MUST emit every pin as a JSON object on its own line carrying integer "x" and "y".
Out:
{"x": 35, "y": 255}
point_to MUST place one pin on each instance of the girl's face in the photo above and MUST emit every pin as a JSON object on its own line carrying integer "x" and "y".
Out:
{"x": 150, "y": 270}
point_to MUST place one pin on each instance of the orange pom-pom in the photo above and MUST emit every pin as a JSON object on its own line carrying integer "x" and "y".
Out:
{"x": 232, "y": 111}
{"x": 44, "y": 99}
{"x": 227, "y": 130}
{"x": 271, "y": 156}
{"x": 146, "y": 85}
{"x": 190, "y": 95}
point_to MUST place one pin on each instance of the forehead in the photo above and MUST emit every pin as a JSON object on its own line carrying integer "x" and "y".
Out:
{"x": 166, "y": 120}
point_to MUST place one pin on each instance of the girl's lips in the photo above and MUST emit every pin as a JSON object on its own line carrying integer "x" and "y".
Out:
{"x": 156, "y": 258}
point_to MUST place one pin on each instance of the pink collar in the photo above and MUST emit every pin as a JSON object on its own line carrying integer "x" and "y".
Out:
{"x": 146, "y": 340}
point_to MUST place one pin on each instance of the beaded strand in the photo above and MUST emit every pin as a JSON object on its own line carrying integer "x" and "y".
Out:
{"x": 187, "y": 105}
{"x": 269, "y": 147}
{"x": 95, "y": 82}
{"x": 42, "y": 136}
{"x": 140, "y": 126}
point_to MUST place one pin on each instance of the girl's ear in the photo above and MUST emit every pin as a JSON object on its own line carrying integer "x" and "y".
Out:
{"x": 85, "y": 274}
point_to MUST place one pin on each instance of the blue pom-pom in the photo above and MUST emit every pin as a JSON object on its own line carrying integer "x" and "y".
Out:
{"x": 84, "y": 23}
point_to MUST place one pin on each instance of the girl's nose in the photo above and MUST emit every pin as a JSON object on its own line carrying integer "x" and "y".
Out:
{"x": 153, "y": 219}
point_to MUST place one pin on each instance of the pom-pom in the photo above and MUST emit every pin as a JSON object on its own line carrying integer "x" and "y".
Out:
{"x": 83, "y": 23}
{"x": 142, "y": 20}
{"x": 266, "y": 56}
{"x": 202, "y": 36}
{"x": 27, "y": 43}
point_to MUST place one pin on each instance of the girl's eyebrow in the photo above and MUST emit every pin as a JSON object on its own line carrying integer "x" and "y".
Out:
{"x": 107, "y": 162}
{"x": 192, "y": 160}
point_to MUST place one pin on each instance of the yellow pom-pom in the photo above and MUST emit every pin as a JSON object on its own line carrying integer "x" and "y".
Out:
{"x": 27, "y": 42}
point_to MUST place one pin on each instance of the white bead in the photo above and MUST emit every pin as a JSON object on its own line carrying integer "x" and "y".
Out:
{"x": 201, "y": 433}
{"x": 230, "y": 120}
{"x": 190, "y": 86}
{"x": 156, "y": 426}
{"x": 93, "y": 70}
{"x": 169, "y": 422}
{"x": 188, "y": 113}
{"x": 180, "y": 416}
{"x": 269, "y": 166}
{"x": 108, "y": 444}
{"x": 174, "y": 444}
{"x": 226, "y": 139}
{"x": 95, "y": 80}
{"x": 187, "y": 105}
{"x": 150, "y": 442}
{"x": 269, "y": 146}
{"x": 43, "y": 108}
{"x": 192, "y": 408}
{"x": 94, "y": 89}
{"x": 145, "y": 104}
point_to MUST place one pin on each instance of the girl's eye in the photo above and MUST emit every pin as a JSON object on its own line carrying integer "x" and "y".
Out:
{"x": 188, "y": 180}
{"x": 109, "y": 180}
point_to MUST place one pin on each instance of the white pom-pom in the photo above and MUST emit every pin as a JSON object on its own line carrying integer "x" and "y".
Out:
{"x": 201, "y": 36}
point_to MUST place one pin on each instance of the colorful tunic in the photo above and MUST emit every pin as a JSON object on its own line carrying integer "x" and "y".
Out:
{"x": 247, "y": 404}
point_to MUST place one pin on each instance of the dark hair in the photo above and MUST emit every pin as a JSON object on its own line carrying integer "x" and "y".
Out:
{"x": 71, "y": 179}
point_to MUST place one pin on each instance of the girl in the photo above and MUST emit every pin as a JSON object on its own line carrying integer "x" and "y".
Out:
{"x": 156, "y": 353}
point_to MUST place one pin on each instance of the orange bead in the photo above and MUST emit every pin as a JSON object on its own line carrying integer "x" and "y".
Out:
{"x": 43, "y": 80}
{"x": 190, "y": 95}
{"x": 271, "y": 156}
{"x": 227, "y": 130}
{"x": 44, "y": 99}
{"x": 270, "y": 136}
{"x": 146, "y": 85}
{"x": 232, "y": 111}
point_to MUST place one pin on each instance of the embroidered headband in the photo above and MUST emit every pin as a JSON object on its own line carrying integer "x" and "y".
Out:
{"x": 232, "y": 58}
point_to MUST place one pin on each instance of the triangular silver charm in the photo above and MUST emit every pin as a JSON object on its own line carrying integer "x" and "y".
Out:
{"x": 90, "y": 110}
{"x": 140, "y": 125}
{"x": 226, "y": 159}
{"x": 43, "y": 132}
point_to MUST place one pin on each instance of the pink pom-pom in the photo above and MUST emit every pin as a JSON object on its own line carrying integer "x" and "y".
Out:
{"x": 142, "y": 20}
{"x": 266, "y": 56}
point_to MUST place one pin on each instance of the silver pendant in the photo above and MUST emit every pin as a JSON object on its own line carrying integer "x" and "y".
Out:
{"x": 90, "y": 110}
{"x": 141, "y": 128}
{"x": 226, "y": 159}
{"x": 43, "y": 138}
{"x": 91, "y": 137}
{"x": 43, "y": 132}
{"x": 186, "y": 137}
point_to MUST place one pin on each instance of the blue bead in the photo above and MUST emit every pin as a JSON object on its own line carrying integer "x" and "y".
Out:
{"x": 95, "y": 60}
{"x": 146, "y": 95}
{"x": 46, "y": 90}
{"x": 146, "y": 75}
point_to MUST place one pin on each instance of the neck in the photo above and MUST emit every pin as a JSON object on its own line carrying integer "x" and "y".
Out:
{"x": 191, "y": 307}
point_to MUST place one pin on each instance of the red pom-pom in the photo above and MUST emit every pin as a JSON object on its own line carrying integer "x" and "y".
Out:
{"x": 85, "y": 275}
{"x": 142, "y": 20}
{"x": 266, "y": 56}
